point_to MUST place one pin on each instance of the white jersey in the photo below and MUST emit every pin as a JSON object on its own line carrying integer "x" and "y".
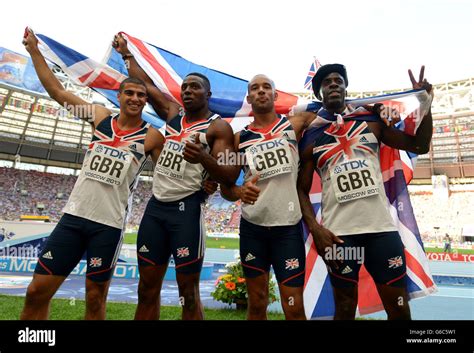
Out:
{"x": 173, "y": 177}
{"x": 272, "y": 153}
{"x": 353, "y": 193}
{"x": 109, "y": 174}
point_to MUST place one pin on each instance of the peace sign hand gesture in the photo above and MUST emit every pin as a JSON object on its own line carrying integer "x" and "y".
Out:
{"x": 422, "y": 82}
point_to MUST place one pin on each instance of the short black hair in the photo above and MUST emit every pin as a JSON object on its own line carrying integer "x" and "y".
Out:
{"x": 134, "y": 80}
{"x": 325, "y": 70}
{"x": 204, "y": 77}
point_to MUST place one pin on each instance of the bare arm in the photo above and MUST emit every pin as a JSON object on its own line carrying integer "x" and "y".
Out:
{"x": 301, "y": 121}
{"x": 420, "y": 143}
{"x": 93, "y": 113}
{"x": 232, "y": 192}
{"x": 154, "y": 143}
{"x": 221, "y": 137}
{"x": 322, "y": 237}
{"x": 305, "y": 179}
{"x": 160, "y": 103}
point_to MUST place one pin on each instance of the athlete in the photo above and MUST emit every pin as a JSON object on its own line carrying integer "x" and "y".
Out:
{"x": 96, "y": 212}
{"x": 173, "y": 220}
{"x": 345, "y": 153}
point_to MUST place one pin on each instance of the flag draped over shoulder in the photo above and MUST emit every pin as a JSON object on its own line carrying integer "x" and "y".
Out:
{"x": 167, "y": 70}
{"x": 397, "y": 171}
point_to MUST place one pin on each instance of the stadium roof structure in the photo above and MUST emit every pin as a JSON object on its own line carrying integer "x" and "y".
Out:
{"x": 42, "y": 132}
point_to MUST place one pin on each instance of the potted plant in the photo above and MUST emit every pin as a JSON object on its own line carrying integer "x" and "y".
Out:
{"x": 232, "y": 289}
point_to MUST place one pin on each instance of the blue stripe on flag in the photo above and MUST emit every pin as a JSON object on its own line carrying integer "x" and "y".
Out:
{"x": 325, "y": 306}
{"x": 68, "y": 56}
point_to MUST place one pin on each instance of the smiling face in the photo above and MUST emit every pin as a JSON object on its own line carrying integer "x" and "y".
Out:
{"x": 333, "y": 90}
{"x": 195, "y": 93}
{"x": 132, "y": 99}
{"x": 261, "y": 94}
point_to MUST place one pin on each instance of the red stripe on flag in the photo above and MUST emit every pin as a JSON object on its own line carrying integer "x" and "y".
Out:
{"x": 105, "y": 81}
{"x": 316, "y": 186}
{"x": 172, "y": 85}
{"x": 285, "y": 102}
{"x": 370, "y": 301}
{"x": 417, "y": 269}
{"x": 410, "y": 124}
{"x": 407, "y": 172}
{"x": 85, "y": 77}
{"x": 310, "y": 262}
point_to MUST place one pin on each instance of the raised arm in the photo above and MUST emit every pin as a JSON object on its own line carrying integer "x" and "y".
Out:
{"x": 420, "y": 143}
{"x": 93, "y": 113}
{"x": 165, "y": 108}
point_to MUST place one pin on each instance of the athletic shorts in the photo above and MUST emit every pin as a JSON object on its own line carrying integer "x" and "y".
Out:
{"x": 381, "y": 253}
{"x": 72, "y": 238}
{"x": 173, "y": 228}
{"x": 281, "y": 247}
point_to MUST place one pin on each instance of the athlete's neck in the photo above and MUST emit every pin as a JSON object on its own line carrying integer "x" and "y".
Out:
{"x": 128, "y": 122}
{"x": 263, "y": 120}
{"x": 201, "y": 114}
{"x": 335, "y": 110}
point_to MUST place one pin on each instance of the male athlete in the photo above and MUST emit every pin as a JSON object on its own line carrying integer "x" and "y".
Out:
{"x": 345, "y": 153}
{"x": 173, "y": 223}
{"x": 96, "y": 212}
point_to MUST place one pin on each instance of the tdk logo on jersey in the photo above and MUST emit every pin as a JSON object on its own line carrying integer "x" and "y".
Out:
{"x": 267, "y": 146}
{"x": 111, "y": 152}
{"x": 351, "y": 165}
{"x": 174, "y": 146}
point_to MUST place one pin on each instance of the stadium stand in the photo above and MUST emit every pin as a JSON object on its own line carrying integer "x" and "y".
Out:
{"x": 42, "y": 148}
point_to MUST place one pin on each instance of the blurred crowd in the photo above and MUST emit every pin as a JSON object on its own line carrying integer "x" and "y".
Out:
{"x": 38, "y": 193}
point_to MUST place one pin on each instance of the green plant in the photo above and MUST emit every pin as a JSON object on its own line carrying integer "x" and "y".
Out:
{"x": 231, "y": 288}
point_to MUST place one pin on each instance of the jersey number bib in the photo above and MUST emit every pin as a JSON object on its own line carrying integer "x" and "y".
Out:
{"x": 172, "y": 162}
{"x": 354, "y": 179}
{"x": 107, "y": 165}
{"x": 270, "y": 158}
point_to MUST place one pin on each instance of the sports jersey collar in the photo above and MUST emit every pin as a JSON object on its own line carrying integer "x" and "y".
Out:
{"x": 120, "y": 132}
{"x": 265, "y": 129}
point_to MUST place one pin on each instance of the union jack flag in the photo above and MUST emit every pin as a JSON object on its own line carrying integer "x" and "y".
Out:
{"x": 349, "y": 139}
{"x": 95, "y": 262}
{"x": 278, "y": 130}
{"x": 292, "y": 264}
{"x": 111, "y": 135}
{"x": 395, "y": 262}
{"x": 182, "y": 252}
{"x": 315, "y": 65}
